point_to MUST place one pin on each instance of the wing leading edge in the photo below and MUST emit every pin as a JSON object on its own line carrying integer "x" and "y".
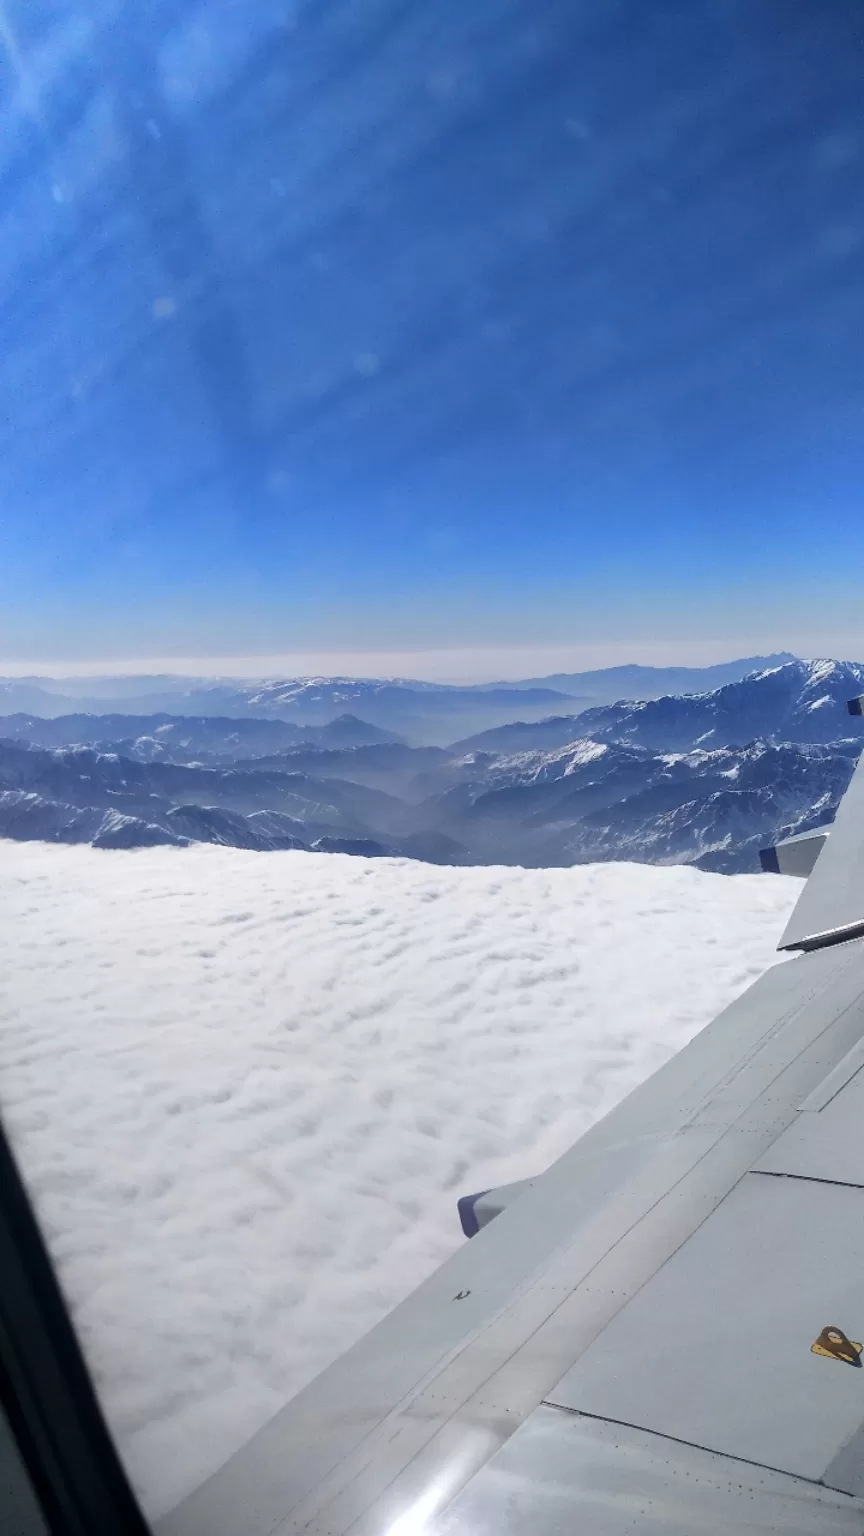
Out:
{"x": 627, "y": 1346}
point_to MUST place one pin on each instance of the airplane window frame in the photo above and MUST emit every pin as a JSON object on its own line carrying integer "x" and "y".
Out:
{"x": 46, "y": 1392}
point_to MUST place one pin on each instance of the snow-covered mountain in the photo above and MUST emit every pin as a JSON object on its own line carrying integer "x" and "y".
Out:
{"x": 803, "y": 701}
{"x": 604, "y": 800}
{"x": 798, "y": 701}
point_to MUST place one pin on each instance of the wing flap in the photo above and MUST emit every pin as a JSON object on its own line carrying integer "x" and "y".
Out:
{"x": 825, "y": 1143}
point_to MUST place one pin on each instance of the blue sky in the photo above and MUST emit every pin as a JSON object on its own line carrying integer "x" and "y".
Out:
{"x": 379, "y": 327}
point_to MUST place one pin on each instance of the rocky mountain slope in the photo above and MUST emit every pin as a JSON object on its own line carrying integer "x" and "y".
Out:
{"x": 595, "y": 800}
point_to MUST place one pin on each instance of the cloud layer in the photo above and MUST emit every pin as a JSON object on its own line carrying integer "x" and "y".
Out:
{"x": 247, "y": 1089}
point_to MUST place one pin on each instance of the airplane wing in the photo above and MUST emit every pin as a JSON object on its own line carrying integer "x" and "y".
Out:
{"x": 832, "y": 903}
{"x": 662, "y": 1333}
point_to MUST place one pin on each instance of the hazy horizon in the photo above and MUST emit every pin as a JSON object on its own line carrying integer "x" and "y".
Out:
{"x": 446, "y": 667}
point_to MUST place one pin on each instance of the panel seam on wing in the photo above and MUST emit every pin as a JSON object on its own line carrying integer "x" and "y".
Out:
{"x": 807, "y": 1178}
{"x": 696, "y": 1445}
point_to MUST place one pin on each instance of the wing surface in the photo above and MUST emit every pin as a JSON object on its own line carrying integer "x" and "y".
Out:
{"x": 628, "y": 1346}
{"x": 831, "y": 905}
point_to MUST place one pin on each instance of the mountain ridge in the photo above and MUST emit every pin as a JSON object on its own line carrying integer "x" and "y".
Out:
{"x": 429, "y": 713}
{"x": 796, "y": 701}
{"x": 635, "y": 681}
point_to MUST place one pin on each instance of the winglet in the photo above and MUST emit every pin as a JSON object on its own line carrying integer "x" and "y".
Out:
{"x": 794, "y": 855}
{"x": 467, "y": 1214}
{"x": 476, "y": 1211}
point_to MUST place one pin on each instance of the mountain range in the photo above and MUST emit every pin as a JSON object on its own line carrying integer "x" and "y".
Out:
{"x": 795, "y": 701}
{"x": 425, "y": 713}
{"x": 608, "y": 684}
{"x": 183, "y": 738}
{"x": 704, "y": 778}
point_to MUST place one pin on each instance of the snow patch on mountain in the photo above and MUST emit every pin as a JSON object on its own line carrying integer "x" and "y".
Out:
{"x": 560, "y": 762}
{"x": 819, "y": 671}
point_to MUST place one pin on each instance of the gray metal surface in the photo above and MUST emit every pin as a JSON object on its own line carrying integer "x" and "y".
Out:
{"x": 826, "y": 1140}
{"x": 847, "y": 1469}
{"x": 442, "y": 1383}
{"x": 476, "y": 1211}
{"x": 716, "y": 1348}
{"x": 836, "y": 1079}
{"x": 565, "y": 1475}
{"x": 795, "y": 855}
{"x": 494, "y": 1201}
{"x": 832, "y": 901}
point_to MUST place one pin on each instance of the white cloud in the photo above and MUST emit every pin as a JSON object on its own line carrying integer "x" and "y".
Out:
{"x": 247, "y": 1089}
